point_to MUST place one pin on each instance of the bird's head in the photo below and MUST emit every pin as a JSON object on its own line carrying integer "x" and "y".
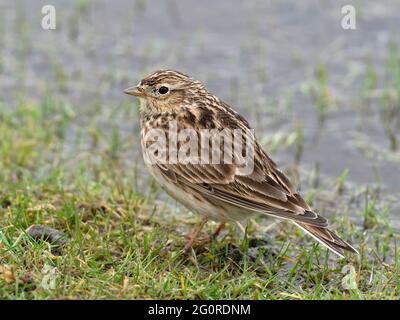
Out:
{"x": 164, "y": 90}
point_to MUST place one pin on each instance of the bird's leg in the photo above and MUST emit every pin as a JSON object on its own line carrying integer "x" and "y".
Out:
{"x": 194, "y": 235}
{"x": 212, "y": 237}
{"x": 217, "y": 231}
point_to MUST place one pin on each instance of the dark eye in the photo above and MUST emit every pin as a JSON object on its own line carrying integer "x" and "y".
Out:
{"x": 163, "y": 90}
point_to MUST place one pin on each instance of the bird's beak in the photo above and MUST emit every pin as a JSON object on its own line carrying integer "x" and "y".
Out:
{"x": 134, "y": 91}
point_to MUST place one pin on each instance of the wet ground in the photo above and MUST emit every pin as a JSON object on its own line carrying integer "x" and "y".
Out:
{"x": 288, "y": 66}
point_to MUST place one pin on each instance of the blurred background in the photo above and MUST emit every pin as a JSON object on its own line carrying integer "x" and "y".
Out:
{"x": 324, "y": 101}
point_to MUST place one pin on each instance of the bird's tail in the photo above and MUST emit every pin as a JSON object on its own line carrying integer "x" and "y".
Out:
{"x": 328, "y": 238}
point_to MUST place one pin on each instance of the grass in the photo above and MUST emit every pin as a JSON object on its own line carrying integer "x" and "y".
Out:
{"x": 124, "y": 242}
{"x": 74, "y": 166}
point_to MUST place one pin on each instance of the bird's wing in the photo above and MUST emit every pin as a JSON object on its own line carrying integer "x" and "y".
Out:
{"x": 266, "y": 189}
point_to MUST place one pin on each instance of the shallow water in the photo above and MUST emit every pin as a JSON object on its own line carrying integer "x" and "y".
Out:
{"x": 259, "y": 56}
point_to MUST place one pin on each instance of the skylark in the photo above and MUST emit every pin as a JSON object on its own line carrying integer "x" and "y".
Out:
{"x": 226, "y": 189}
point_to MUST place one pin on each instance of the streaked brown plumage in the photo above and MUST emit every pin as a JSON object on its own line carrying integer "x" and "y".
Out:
{"x": 222, "y": 191}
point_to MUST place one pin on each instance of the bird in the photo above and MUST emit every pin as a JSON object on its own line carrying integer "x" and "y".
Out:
{"x": 222, "y": 191}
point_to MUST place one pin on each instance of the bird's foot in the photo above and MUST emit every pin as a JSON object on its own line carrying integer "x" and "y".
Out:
{"x": 202, "y": 241}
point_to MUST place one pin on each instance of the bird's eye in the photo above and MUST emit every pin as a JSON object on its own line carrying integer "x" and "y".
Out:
{"x": 163, "y": 90}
